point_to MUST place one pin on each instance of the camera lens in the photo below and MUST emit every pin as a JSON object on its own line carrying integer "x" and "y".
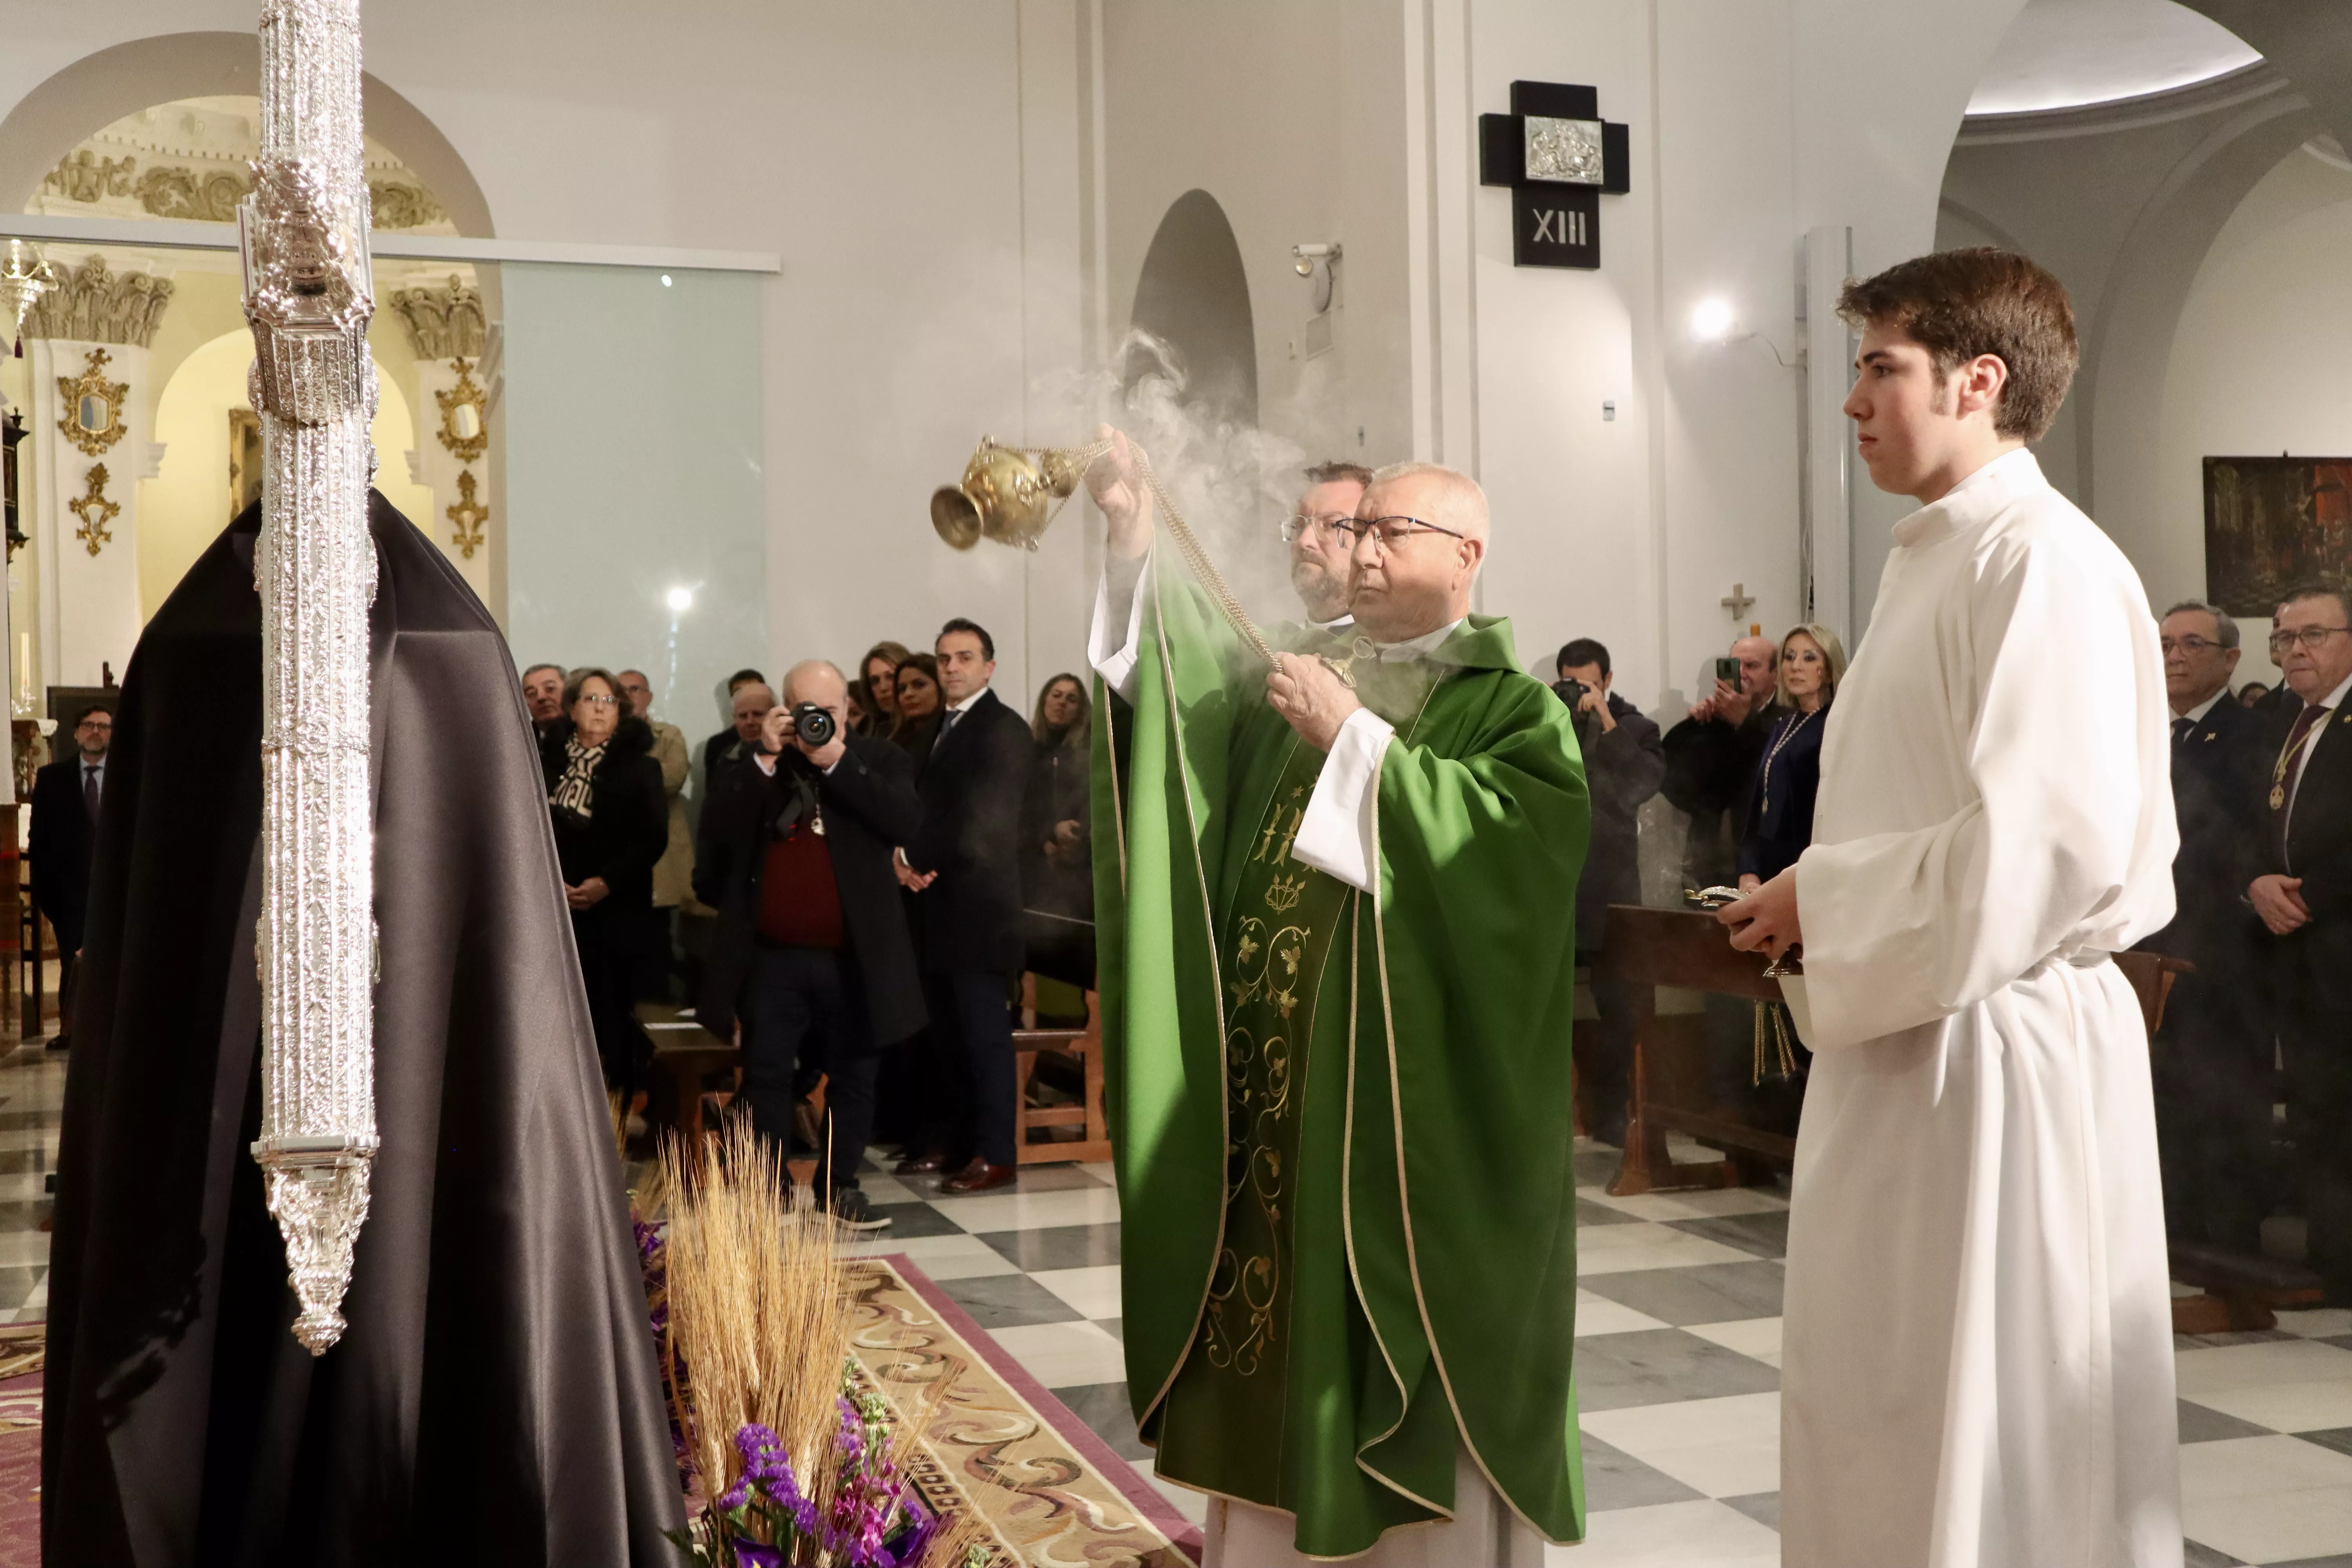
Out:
{"x": 813, "y": 723}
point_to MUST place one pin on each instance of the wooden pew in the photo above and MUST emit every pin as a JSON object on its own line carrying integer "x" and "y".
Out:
{"x": 1686, "y": 948}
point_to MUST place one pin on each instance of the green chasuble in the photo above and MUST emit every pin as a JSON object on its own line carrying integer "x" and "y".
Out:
{"x": 1343, "y": 1121}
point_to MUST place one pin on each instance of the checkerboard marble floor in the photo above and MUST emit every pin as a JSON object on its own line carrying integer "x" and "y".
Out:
{"x": 1679, "y": 1343}
{"x": 31, "y": 1093}
{"x": 1678, "y": 1332}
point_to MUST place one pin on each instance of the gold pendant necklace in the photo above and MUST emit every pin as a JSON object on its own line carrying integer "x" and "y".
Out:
{"x": 1764, "y": 787}
{"x": 2278, "y": 769}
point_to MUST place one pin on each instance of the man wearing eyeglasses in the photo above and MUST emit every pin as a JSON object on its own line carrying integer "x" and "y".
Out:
{"x": 1337, "y": 955}
{"x": 1322, "y": 545}
{"x": 2303, "y": 895}
{"x": 2211, "y": 1059}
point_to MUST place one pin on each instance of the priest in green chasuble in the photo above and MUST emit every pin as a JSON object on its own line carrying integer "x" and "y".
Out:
{"x": 1337, "y": 973}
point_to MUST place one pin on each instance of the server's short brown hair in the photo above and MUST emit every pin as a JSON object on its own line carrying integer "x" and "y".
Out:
{"x": 1337, "y": 469}
{"x": 1958, "y": 304}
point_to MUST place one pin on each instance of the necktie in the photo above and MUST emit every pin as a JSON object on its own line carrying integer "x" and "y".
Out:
{"x": 950, "y": 721}
{"x": 89, "y": 790}
{"x": 2284, "y": 778}
{"x": 2181, "y": 728}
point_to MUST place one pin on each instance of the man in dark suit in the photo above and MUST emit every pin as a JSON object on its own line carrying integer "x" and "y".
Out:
{"x": 2211, "y": 1059}
{"x": 966, "y": 864}
{"x": 2302, "y": 892}
{"x": 1623, "y": 760}
{"x": 812, "y": 946}
{"x": 65, "y": 797}
{"x": 543, "y": 695}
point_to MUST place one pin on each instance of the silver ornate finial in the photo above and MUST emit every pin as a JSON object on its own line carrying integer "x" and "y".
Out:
{"x": 309, "y": 296}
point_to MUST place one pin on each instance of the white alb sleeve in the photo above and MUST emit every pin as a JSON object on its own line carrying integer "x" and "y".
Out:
{"x": 1116, "y": 664}
{"x": 1335, "y": 833}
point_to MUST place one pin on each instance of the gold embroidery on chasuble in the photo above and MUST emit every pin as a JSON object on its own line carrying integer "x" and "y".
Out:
{"x": 1277, "y": 935}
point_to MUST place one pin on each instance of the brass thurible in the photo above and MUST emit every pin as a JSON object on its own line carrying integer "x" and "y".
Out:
{"x": 1009, "y": 494}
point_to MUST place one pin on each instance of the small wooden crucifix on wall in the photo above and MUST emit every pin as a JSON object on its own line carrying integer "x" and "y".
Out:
{"x": 1559, "y": 156}
{"x": 1738, "y": 601}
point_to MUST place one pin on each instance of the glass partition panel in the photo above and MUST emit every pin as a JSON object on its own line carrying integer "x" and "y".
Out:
{"x": 634, "y": 501}
{"x": 582, "y": 442}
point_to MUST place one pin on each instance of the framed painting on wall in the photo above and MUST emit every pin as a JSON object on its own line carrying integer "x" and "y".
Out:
{"x": 2272, "y": 523}
{"x": 244, "y": 460}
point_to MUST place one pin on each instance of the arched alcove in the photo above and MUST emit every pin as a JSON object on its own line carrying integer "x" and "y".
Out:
{"x": 184, "y": 508}
{"x": 2127, "y": 201}
{"x": 100, "y": 89}
{"x": 1193, "y": 295}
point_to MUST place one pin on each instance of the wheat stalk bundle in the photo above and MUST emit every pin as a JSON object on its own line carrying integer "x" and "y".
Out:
{"x": 759, "y": 1308}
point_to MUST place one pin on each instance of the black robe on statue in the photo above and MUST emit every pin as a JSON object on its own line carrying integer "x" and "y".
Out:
{"x": 494, "y": 1399}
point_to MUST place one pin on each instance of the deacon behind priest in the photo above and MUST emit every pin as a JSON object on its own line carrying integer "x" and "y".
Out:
{"x": 1977, "y": 1352}
{"x": 1338, "y": 989}
{"x": 1322, "y": 547}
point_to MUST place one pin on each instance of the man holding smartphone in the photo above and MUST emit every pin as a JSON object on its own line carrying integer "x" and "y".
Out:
{"x": 1711, "y": 758}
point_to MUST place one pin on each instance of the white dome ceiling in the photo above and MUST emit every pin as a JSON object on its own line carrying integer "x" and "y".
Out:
{"x": 2060, "y": 54}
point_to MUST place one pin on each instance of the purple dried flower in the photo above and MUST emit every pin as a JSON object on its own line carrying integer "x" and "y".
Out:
{"x": 751, "y": 1554}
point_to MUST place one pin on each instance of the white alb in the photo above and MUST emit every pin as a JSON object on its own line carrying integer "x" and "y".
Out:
{"x": 1977, "y": 1360}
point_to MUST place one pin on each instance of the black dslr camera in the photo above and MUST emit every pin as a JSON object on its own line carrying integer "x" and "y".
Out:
{"x": 1572, "y": 693}
{"x": 813, "y": 724}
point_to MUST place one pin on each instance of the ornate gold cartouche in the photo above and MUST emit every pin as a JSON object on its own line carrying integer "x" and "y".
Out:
{"x": 1009, "y": 493}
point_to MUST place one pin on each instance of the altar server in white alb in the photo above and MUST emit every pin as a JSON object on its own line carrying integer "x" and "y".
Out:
{"x": 1977, "y": 1360}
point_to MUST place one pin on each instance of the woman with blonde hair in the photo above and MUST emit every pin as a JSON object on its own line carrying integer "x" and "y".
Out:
{"x": 1780, "y": 810}
{"x": 875, "y": 690}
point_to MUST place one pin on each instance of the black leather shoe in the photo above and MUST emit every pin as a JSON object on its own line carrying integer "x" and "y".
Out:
{"x": 979, "y": 1177}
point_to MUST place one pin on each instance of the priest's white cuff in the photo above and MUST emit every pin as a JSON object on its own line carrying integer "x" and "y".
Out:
{"x": 1335, "y": 833}
{"x": 1117, "y": 665}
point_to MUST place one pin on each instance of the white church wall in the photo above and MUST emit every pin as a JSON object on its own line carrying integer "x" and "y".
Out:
{"x": 2262, "y": 362}
{"x": 1288, "y": 116}
{"x": 1877, "y": 93}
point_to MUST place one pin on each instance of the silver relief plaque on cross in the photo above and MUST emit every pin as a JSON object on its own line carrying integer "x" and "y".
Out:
{"x": 307, "y": 296}
{"x": 1564, "y": 151}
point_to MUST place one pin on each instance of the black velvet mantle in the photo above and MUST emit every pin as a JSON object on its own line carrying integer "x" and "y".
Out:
{"x": 494, "y": 1399}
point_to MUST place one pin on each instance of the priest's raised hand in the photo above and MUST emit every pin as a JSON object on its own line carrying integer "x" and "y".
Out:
{"x": 1310, "y": 694}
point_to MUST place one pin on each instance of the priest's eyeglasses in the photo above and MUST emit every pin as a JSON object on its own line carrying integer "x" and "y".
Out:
{"x": 1392, "y": 531}
{"x": 1300, "y": 524}
{"x": 2309, "y": 637}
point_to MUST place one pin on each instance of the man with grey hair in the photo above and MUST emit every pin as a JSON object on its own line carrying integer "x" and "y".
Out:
{"x": 2302, "y": 892}
{"x": 812, "y": 951}
{"x": 2211, "y": 1060}
{"x": 542, "y": 694}
{"x": 1337, "y": 971}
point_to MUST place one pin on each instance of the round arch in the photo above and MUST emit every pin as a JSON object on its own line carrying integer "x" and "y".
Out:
{"x": 2127, "y": 350}
{"x": 100, "y": 89}
{"x": 1193, "y": 295}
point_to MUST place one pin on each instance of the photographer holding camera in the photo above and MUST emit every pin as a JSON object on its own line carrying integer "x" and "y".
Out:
{"x": 1624, "y": 761}
{"x": 812, "y": 943}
